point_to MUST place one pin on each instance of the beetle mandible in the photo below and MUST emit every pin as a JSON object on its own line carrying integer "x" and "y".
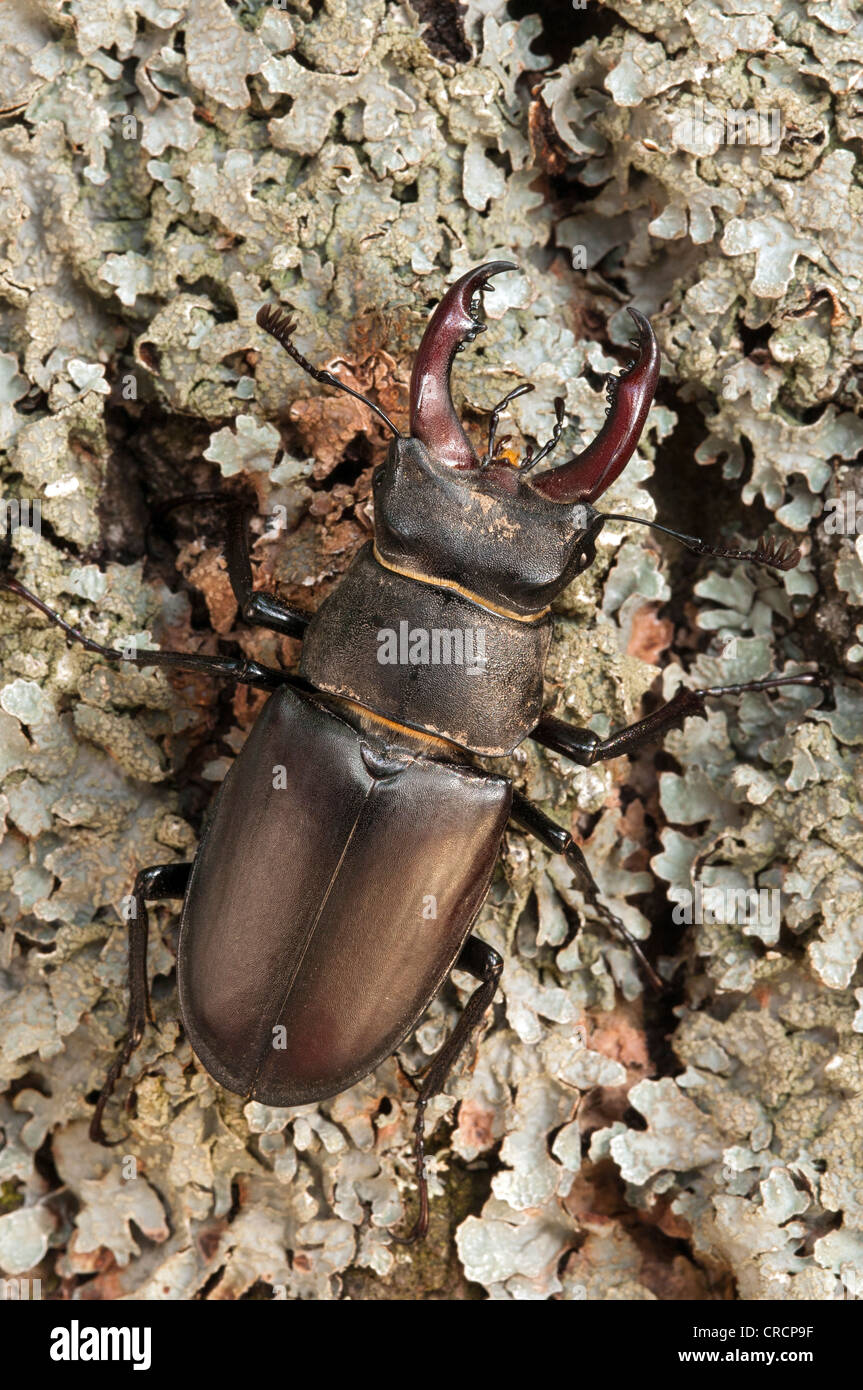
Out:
{"x": 303, "y": 911}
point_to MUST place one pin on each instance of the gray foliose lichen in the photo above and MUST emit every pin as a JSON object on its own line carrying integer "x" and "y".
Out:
{"x": 166, "y": 169}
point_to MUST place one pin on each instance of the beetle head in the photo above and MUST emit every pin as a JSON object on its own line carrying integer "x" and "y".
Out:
{"x": 487, "y": 530}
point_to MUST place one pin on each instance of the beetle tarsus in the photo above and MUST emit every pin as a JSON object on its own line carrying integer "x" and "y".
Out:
{"x": 419, "y": 1230}
{"x": 482, "y": 961}
{"x": 121, "y": 1061}
{"x": 559, "y": 841}
{"x": 151, "y": 885}
{"x": 817, "y": 678}
{"x": 588, "y": 887}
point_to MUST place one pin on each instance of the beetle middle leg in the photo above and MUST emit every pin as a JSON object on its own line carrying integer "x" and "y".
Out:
{"x": 585, "y": 747}
{"x": 482, "y": 961}
{"x": 559, "y": 841}
{"x": 152, "y": 885}
{"x": 235, "y": 668}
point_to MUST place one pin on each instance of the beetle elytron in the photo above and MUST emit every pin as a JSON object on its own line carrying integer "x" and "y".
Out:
{"x": 305, "y": 913}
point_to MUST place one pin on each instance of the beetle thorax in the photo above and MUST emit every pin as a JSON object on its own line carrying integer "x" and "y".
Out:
{"x": 443, "y": 625}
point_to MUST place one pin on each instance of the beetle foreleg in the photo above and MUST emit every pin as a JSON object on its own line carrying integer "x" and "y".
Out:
{"x": 259, "y": 609}
{"x": 585, "y": 747}
{"x": 485, "y": 964}
{"x": 151, "y": 885}
{"x": 559, "y": 841}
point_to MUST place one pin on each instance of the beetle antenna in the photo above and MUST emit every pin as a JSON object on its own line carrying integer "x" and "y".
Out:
{"x": 777, "y": 555}
{"x": 280, "y": 326}
{"x": 531, "y": 460}
{"x": 496, "y": 414}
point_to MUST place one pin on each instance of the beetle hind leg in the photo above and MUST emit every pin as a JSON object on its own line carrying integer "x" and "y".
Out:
{"x": 152, "y": 885}
{"x": 485, "y": 964}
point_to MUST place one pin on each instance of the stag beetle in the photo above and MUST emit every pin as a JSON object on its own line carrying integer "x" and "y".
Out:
{"x": 307, "y": 950}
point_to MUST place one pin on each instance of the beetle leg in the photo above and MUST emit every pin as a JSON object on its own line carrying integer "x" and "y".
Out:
{"x": 235, "y": 668}
{"x": 259, "y": 609}
{"x": 485, "y": 964}
{"x": 559, "y": 841}
{"x": 151, "y": 885}
{"x": 585, "y": 747}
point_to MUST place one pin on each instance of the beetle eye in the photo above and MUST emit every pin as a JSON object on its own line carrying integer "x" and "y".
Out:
{"x": 587, "y": 556}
